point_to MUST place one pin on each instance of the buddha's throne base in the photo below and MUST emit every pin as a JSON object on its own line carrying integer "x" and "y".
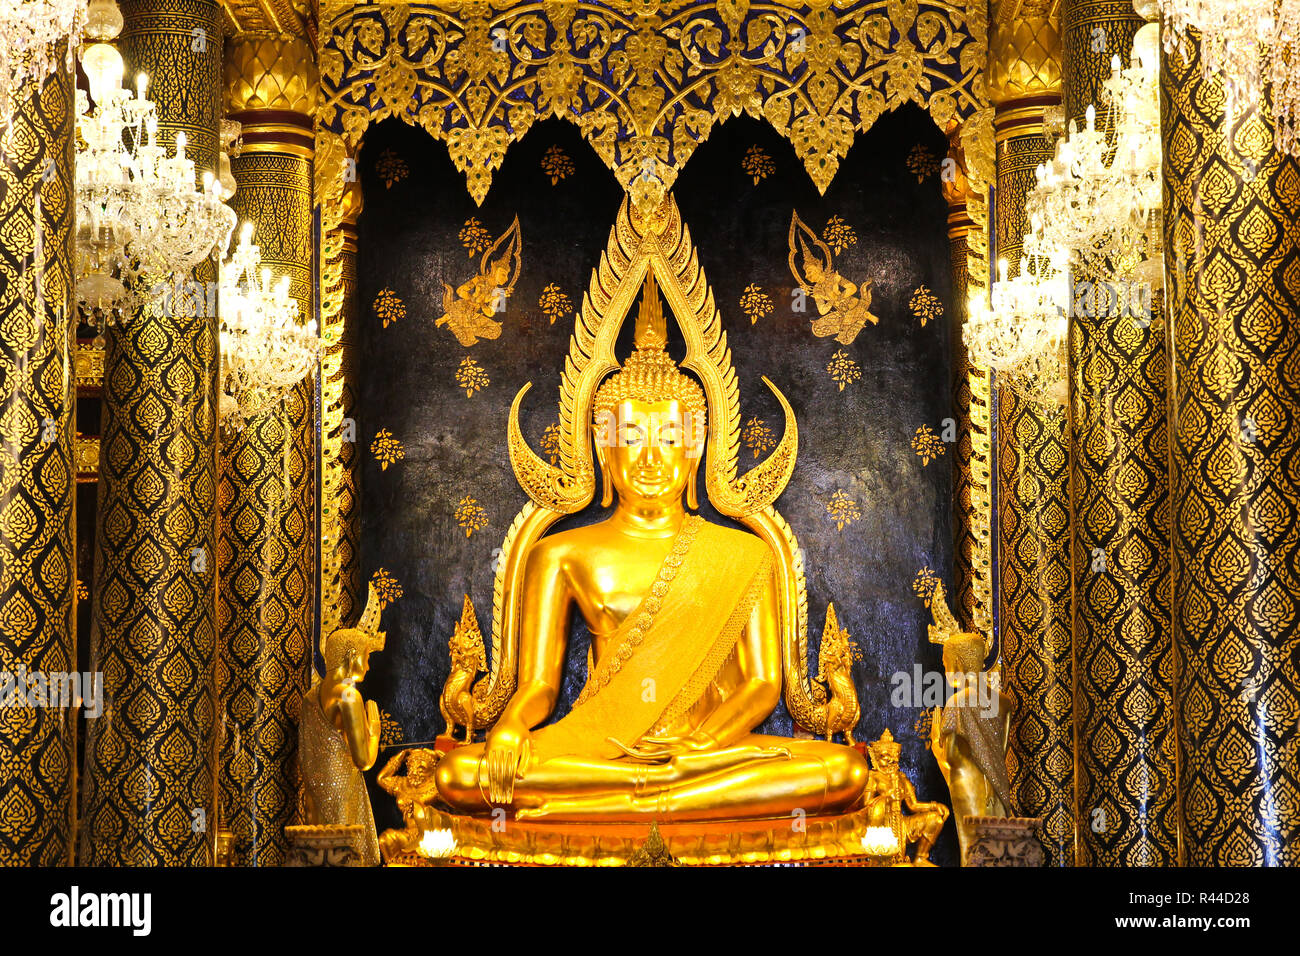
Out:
{"x": 810, "y": 841}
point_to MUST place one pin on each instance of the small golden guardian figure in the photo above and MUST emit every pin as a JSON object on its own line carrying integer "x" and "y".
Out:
{"x": 338, "y": 735}
{"x": 686, "y": 655}
{"x": 889, "y": 790}
{"x": 968, "y": 737}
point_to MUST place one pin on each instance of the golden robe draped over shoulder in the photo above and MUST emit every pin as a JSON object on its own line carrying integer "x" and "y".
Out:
{"x": 666, "y": 654}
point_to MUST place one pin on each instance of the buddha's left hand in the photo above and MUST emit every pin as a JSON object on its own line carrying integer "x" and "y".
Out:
{"x": 665, "y": 748}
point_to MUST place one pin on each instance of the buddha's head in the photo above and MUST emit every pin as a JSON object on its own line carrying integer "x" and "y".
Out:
{"x": 884, "y": 753}
{"x": 649, "y": 420}
{"x": 419, "y": 767}
{"x": 348, "y": 650}
{"x": 963, "y": 657}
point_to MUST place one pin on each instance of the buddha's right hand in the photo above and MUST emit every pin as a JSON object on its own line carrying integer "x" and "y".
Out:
{"x": 504, "y": 759}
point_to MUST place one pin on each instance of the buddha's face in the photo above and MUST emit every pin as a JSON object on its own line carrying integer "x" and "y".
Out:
{"x": 649, "y": 450}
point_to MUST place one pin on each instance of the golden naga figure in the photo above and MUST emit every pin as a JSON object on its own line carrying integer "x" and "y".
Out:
{"x": 888, "y": 791}
{"x": 693, "y": 625}
{"x": 968, "y": 737}
{"x": 338, "y": 733}
{"x": 468, "y": 660}
{"x": 835, "y": 673}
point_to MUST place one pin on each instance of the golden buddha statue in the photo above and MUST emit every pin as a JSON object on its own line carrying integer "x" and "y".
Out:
{"x": 338, "y": 733}
{"x": 686, "y": 656}
{"x": 968, "y": 736}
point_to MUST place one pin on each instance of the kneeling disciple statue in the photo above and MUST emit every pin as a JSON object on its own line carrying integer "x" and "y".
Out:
{"x": 338, "y": 735}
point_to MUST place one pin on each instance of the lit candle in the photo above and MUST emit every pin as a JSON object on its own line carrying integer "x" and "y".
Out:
{"x": 180, "y": 140}
{"x": 141, "y": 81}
{"x": 1091, "y": 116}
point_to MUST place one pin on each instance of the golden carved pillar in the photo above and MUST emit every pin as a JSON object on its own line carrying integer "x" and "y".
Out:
{"x": 338, "y": 198}
{"x": 37, "y": 476}
{"x": 1127, "y": 791}
{"x": 965, "y": 187}
{"x": 268, "y": 469}
{"x": 1232, "y": 230}
{"x": 148, "y": 796}
{"x": 1033, "y": 473}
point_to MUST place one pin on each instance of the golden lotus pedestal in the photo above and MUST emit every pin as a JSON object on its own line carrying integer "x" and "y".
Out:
{"x": 787, "y": 841}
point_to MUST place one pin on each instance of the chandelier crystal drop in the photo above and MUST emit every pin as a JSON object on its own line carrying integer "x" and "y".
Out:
{"x": 30, "y": 34}
{"x": 1248, "y": 44}
{"x": 264, "y": 349}
{"x": 141, "y": 219}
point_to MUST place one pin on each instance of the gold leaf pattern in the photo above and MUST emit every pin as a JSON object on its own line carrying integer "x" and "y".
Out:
{"x": 758, "y": 436}
{"x": 755, "y": 303}
{"x": 470, "y": 516}
{"x": 557, "y": 165}
{"x": 471, "y": 377}
{"x": 925, "y": 305}
{"x": 927, "y": 445}
{"x": 554, "y": 302}
{"x": 392, "y": 169}
{"x": 842, "y": 509}
{"x": 389, "y": 307}
{"x": 386, "y": 449}
{"x": 843, "y": 370}
{"x": 756, "y": 164}
{"x": 386, "y": 587}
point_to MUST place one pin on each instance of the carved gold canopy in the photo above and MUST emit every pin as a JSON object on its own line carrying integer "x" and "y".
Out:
{"x": 646, "y": 80}
{"x": 659, "y": 243}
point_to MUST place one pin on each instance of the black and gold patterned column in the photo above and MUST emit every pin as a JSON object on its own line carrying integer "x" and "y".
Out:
{"x": 268, "y": 469}
{"x": 1033, "y": 473}
{"x": 1127, "y": 792}
{"x": 348, "y": 498}
{"x": 37, "y": 477}
{"x": 149, "y": 796}
{"x": 1232, "y": 242}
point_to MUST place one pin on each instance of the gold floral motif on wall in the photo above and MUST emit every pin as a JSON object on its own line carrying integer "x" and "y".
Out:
{"x": 843, "y": 370}
{"x": 647, "y": 82}
{"x": 392, "y": 169}
{"x": 927, "y": 445}
{"x": 922, "y": 163}
{"x": 471, "y": 376}
{"x": 843, "y": 510}
{"x": 755, "y": 303}
{"x": 470, "y": 311}
{"x": 474, "y": 237}
{"x": 389, "y": 307}
{"x": 557, "y": 165}
{"x": 470, "y": 515}
{"x": 925, "y": 583}
{"x": 390, "y": 731}
{"x": 758, "y": 436}
{"x": 386, "y": 587}
{"x": 839, "y": 235}
{"x": 554, "y": 302}
{"x": 387, "y": 449}
{"x": 925, "y": 305}
{"x": 756, "y": 164}
{"x": 842, "y": 307}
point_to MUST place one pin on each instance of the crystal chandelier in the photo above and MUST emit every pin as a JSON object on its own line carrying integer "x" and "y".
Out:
{"x": 141, "y": 221}
{"x": 30, "y": 34}
{"x": 264, "y": 350}
{"x": 1022, "y": 337}
{"x": 1249, "y": 44}
{"x": 1100, "y": 198}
